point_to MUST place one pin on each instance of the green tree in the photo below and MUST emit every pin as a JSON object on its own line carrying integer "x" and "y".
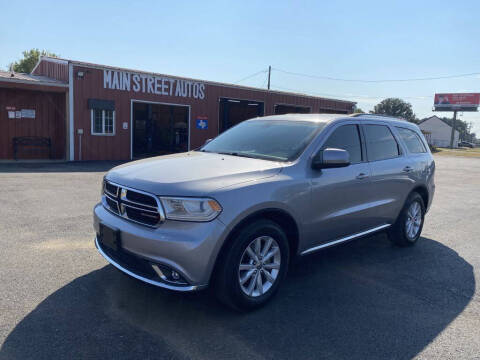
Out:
{"x": 30, "y": 59}
{"x": 395, "y": 107}
{"x": 358, "y": 111}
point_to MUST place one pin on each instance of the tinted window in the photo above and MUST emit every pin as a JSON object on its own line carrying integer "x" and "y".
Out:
{"x": 279, "y": 140}
{"x": 380, "y": 143}
{"x": 411, "y": 139}
{"x": 346, "y": 137}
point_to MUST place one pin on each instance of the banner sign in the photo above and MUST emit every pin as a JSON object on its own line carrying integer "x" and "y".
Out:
{"x": 150, "y": 84}
{"x": 458, "y": 101}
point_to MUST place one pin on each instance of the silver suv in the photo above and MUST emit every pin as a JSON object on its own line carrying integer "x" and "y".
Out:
{"x": 234, "y": 213}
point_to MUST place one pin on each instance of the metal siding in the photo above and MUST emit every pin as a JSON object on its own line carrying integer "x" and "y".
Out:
{"x": 49, "y": 119}
{"x": 52, "y": 69}
{"x": 118, "y": 147}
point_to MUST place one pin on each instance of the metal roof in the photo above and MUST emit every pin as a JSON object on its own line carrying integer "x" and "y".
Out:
{"x": 99, "y": 66}
{"x": 13, "y": 77}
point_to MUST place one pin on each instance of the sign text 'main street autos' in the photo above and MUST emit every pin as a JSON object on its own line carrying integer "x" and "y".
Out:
{"x": 122, "y": 80}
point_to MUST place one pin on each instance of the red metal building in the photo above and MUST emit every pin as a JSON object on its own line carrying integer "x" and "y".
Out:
{"x": 32, "y": 107}
{"x": 121, "y": 114}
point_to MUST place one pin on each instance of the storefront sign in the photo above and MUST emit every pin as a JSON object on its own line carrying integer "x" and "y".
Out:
{"x": 202, "y": 122}
{"x": 28, "y": 113}
{"x": 10, "y": 108}
{"x": 149, "y": 84}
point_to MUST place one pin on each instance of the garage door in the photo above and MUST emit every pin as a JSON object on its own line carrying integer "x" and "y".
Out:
{"x": 234, "y": 111}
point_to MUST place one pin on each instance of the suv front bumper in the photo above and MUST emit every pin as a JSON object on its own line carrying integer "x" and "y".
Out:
{"x": 188, "y": 248}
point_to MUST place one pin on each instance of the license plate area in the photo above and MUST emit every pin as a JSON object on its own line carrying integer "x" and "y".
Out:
{"x": 110, "y": 237}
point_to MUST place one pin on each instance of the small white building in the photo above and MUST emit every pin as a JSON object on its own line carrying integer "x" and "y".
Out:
{"x": 438, "y": 132}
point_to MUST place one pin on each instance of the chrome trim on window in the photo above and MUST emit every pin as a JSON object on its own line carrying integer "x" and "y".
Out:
{"x": 122, "y": 202}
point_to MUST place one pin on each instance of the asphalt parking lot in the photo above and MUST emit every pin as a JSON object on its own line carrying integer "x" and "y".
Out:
{"x": 362, "y": 300}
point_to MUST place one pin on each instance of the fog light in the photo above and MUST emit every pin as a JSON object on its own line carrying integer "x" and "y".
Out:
{"x": 175, "y": 275}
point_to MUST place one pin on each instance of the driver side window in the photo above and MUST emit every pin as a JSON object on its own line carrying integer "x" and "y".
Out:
{"x": 346, "y": 137}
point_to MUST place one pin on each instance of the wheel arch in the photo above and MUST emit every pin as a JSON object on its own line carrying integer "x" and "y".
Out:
{"x": 279, "y": 216}
{"x": 423, "y": 192}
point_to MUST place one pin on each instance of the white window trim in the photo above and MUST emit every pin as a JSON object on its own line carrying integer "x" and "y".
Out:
{"x": 103, "y": 133}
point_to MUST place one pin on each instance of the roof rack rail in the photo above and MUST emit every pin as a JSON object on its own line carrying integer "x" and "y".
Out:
{"x": 377, "y": 115}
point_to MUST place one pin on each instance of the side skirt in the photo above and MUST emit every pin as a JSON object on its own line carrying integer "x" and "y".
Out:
{"x": 344, "y": 239}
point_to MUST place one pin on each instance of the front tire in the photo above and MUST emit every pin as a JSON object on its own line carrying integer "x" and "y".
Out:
{"x": 253, "y": 266}
{"x": 408, "y": 227}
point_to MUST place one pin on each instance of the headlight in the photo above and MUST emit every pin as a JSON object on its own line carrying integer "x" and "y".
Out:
{"x": 190, "y": 209}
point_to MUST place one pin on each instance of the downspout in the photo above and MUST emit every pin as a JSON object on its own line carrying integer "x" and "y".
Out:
{"x": 71, "y": 129}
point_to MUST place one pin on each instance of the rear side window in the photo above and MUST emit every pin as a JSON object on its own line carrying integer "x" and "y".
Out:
{"x": 412, "y": 140}
{"x": 346, "y": 137}
{"x": 380, "y": 143}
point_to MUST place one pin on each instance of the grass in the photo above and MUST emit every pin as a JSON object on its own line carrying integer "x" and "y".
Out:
{"x": 467, "y": 152}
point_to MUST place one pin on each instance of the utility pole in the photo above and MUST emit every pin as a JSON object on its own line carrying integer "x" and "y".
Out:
{"x": 269, "y": 72}
{"x": 452, "y": 136}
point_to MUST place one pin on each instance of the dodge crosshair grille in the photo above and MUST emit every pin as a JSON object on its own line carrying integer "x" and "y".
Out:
{"x": 132, "y": 204}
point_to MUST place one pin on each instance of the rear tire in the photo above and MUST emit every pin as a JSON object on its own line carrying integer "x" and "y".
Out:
{"x": 408, "y": 227}
{"x": 252, "y": 266}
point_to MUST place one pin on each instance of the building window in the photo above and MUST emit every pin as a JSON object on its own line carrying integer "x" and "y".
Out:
{"x": 103, "y": 122}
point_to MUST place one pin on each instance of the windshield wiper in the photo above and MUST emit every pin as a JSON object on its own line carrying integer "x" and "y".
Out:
{"x": 239, "y": 154}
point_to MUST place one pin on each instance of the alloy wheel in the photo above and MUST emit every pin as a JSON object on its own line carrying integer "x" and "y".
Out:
{"x": 414, "y": 220}
{"x": 259, "y": 266}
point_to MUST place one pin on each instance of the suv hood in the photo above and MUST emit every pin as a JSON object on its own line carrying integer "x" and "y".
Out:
{"x": 191, "y": 174}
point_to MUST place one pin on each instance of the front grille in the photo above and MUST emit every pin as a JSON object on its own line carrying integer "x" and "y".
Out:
{"x": 111, "y": 189}
{"x": 112, "y": 204}
{"x": 141, "y": 198}
{"x": 132, "y": 204}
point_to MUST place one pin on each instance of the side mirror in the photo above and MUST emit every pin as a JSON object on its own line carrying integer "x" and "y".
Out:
{"x": 207, "y": 141}
{"x": 331, "y": 158}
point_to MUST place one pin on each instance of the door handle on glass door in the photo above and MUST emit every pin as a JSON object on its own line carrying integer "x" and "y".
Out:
{"x": 362, "y": 176}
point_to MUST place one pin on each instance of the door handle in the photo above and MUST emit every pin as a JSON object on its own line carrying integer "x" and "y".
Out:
{"x": 407, "y": 169}
{"x": 362, "y": 176}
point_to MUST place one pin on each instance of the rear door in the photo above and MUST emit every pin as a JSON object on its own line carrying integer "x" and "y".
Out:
{"x": 340, "y": 196}
{"x": 391, "y": 168}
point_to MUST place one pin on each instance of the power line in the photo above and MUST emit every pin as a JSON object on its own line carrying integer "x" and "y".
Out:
{"x": 376, "y": 81}
{"x": 264, "y": 82}
{"x": 252, "y": 75}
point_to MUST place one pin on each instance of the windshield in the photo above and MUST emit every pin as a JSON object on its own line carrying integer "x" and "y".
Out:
{"x": 278, "y": 140}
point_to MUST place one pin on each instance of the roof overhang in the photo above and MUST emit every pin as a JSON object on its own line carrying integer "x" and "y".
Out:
{"x": 32, "y": 85}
